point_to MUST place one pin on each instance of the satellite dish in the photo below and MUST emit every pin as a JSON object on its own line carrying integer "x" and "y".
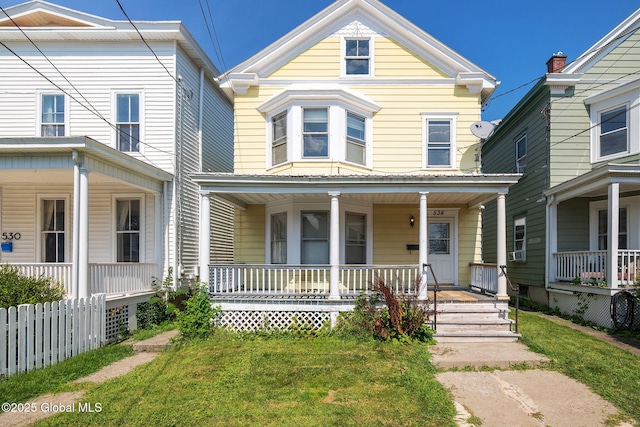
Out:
{"x": 482, "y": 129}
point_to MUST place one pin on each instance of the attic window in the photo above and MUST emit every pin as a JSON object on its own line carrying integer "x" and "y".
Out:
{"x": 357, "y": 59}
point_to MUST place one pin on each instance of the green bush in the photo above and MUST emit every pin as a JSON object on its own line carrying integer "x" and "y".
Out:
{"x": 16, "y": 289}
{"x": 196, "y": 321}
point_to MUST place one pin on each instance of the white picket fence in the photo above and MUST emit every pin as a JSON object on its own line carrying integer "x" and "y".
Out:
{"x": 40, "y": 335}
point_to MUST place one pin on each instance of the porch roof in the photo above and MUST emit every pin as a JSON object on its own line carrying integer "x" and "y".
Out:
{"x": 56, "y": 154}
{"x": 596, "y": 182}
{"x": 472, "y": 190}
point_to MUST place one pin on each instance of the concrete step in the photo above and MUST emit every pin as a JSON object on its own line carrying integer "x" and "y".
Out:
{"x": 476, "y": 336}
{"x": 471, "y": 325}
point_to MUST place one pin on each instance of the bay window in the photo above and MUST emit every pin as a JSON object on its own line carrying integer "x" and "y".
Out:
{"x": 356, "y": 141}
{"x": 315, "y": 132}
{"x": 279, "y": 143}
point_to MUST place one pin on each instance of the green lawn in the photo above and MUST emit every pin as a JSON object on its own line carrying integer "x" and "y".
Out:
{"x": 611, "y": 372}
{"x": 291, "y": 382}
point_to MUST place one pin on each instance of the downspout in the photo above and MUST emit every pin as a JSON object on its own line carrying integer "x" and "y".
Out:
{"x": 200, "y": 116}
{"x": 165, "y": 225}
{"x": 548, "y": 250}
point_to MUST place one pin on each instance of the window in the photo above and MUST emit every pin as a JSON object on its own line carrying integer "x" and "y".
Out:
{"x": 52, "y": 233}
{"x": 521, "y": 154}
{"x": 613, "y": 132}
{"x": 315, "y": 132}
{"x": 603, "y": 229}
{"x": 439, "y": 238}
{"x": 279, "y": 238}
{"x": 439, "y": 140}
{"x": 357, "y": 59}
{"x": 128, "y": 122}
{"x": 279, "y": 143}
{"x": 439, "y": 143}
{"x": 356, "y": 141}
{"x": 128, "y": 230}
{"x": 53, "y": 116}
{"x": 519, "y": 234}
{"x": 355, "y": 238}
{"x": 315, "y": 238}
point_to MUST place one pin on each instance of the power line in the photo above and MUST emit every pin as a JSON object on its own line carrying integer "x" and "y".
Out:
{"x": 217, "y": 39}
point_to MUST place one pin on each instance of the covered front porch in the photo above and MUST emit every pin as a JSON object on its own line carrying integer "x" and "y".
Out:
{"x": 331, "y": 236}
{"x": 593, "y": 238}
{"x": 86, "y": 215}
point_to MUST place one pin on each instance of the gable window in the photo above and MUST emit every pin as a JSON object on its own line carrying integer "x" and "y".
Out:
{"x": 603, "y": 229}
{"x": 439, "y": 140}
{"x": 128, "y": 217}
{"x": 355, "y": 238}
{"x": 279, "y": 143}
{"x": 128, "y": 122}
{"x": 521, "y": 154}
{"x": 613, "y": 137}
{"x": 315, "y": 132}
{"x": 52, "y": 119}
{"x": 279, "y": 238}
{"x": 315, "y": 238}
{"x": 356, "y": 141}
{"x": 53, "y": 230}
{"x": 357, "y": 59}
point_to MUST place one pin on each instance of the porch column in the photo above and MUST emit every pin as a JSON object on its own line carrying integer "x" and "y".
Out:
{"x": 84, "y": 288}
{"x": 205, "y": 234}
{"x": 501, "y": 246}
{"x": 552, "y": 239}
{"x": 612, "y": 234}
{"x": 423, "y": 247}
{"x": 75, "y": 257}
{"x": 334, "y": 246}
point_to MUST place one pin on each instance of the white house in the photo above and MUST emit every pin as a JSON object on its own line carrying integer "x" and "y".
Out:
{"x": 101, "y": 123}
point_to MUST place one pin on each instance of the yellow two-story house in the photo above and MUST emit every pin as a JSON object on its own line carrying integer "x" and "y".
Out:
{"x": 353, "y": 157}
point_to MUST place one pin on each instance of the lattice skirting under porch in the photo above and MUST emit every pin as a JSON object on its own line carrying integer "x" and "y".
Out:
{"x": 117, "y": 321}
{"x": 591, "y": 307}
{"x": 273, "y": 320}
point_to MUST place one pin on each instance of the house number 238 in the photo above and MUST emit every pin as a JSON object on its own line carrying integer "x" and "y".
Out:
{"x": 11, "y": 236}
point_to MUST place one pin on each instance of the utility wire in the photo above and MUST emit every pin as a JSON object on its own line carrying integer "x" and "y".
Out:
{"x": 217, "y": 39}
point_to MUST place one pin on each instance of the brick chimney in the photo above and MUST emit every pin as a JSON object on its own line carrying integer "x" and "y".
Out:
{"x": 556, "y": 63}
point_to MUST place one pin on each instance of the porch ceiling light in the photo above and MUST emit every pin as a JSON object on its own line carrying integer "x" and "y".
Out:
{"x": 412, "y": 221}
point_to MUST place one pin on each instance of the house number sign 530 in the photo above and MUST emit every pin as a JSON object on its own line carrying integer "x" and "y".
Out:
{"x": 11, "y": 236}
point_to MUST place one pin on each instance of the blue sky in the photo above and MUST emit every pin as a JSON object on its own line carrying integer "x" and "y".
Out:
{"x": 512, "y": 40}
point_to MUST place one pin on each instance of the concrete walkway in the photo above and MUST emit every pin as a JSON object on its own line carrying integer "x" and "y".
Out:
{"x": 50, "y": 404}
{"x": 507, "y": 397}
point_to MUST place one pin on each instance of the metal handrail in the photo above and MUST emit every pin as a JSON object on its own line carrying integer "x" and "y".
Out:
{"x": 436, "y": 289}
{"x": 515, "y": 289}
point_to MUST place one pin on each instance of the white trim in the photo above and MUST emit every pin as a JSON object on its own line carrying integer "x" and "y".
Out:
{"x": 453, "y": 160}
{"x": 39, "y": 94}
{"x": 67, "y": 224}
{"x": 114, "y": 226}
{"x": 141, "y": 113}
{"x": 631, "y": 204}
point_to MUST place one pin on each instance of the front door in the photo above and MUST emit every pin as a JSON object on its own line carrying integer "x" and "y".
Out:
{"x": 442, "y": 249}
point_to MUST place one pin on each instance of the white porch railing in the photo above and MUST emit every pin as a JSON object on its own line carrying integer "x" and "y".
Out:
{"x": 484, "y": 276}
{"x": 591, "y": 266}
{"x": 306, "y": 279}
{"x": 117, "y": 278}
{"x": 60, "y": 272}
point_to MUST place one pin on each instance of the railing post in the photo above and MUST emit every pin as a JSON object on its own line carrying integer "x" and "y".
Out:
{"x": 516, "y": 289}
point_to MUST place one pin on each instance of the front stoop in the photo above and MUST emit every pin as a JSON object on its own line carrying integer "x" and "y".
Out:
{"x": 486, "y": 321}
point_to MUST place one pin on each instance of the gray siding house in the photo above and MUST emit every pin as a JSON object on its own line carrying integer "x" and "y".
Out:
{"x": 574, "y": 217}
{"x": 99, "y": 134}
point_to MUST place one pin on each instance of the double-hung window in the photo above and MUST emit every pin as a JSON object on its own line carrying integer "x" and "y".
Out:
{"x": 128, "y": 122}
{"x": 128, "y": 217}
{"x": 356, "y": 141}
{"x": 315, "y": 238}
{"x": 439, "y": 140}
{"x": 53, "y": 230}
{"x": 279, "y": 138}
{"x": 613, "y": 135}
{"x": 521, "y": 154}
{"x": 519, "y": 234}
{"x": 52, "y": 119}
{"x": 315, "y": 132}
{"x": 357, "y": 59}
{"x": 603, "y": 229}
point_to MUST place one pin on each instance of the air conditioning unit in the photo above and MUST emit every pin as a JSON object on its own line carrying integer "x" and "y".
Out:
{"x": 516, "y": 256}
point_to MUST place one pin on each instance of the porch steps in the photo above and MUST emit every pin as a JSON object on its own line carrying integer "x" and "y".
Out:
{"x": 474, "y": 322}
